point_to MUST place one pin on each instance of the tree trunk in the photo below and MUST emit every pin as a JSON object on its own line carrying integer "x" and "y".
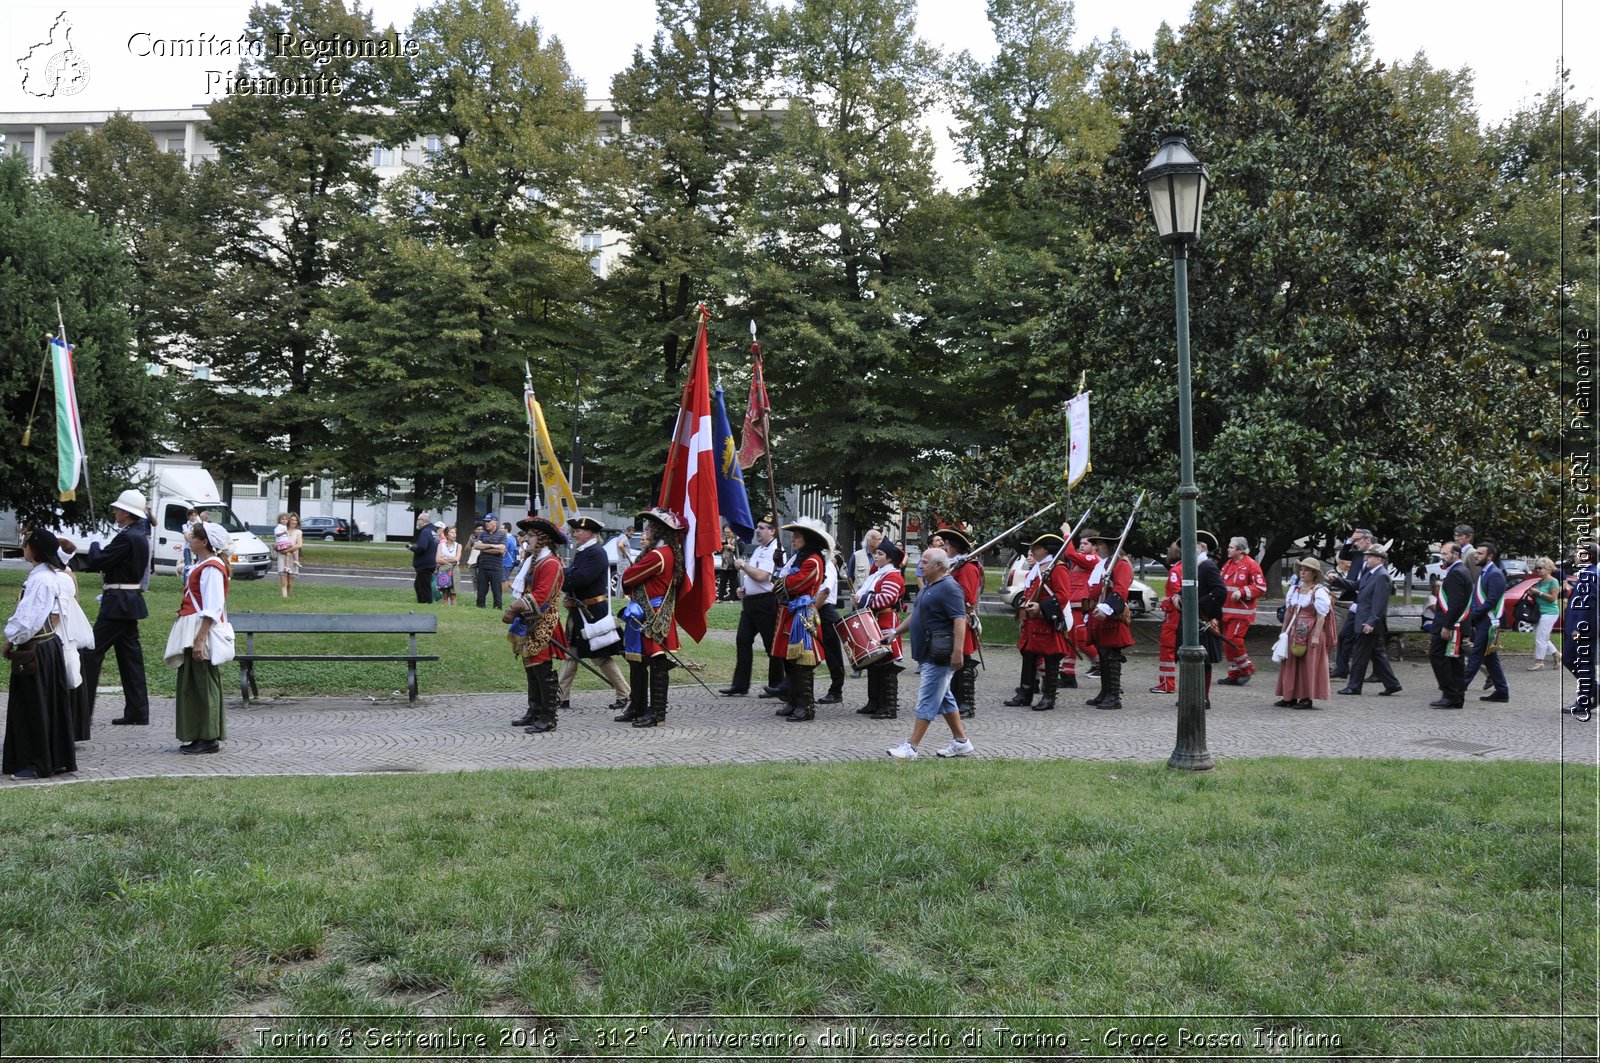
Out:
{"x": 296, "y": 486}
{"x": 466, "y": 506}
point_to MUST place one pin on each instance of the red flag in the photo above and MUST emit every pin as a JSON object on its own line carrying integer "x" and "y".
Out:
{"x": 689, "y": 486}
{"x": 755, "y": 414}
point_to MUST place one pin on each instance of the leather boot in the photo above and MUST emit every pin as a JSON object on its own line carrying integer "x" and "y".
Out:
{"x": 965, "y": 683}
{"x": 874, "y": 685}
{"x": 805, "y": 702}
{"x": 638, "y": 690}
{"x": 1052, "y": 675}
{"x": 532, "y": 715}
{"x": 660, "y": 682}
{"x": 1110, "y": 681}
{"x": 791, "y": 688}
{"x": 542, "y": 678}
{"x": 888, "y": 695}
{"x": 1105, "y": 686}
{"x": 1024, "y": 694}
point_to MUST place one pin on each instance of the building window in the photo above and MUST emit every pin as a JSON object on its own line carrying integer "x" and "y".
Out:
{"x": 175, "y": 145}
{"x": 431, "y": 145}
{"x": 382, "y": 156}
{"x": 592, "y": 244}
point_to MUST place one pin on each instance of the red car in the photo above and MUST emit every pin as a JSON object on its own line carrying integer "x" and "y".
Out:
{"x": 1514, "y": 594}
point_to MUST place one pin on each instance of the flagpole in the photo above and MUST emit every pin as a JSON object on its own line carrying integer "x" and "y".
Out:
{"x": 88, "y": 488}
{"x": 766, "y": 434}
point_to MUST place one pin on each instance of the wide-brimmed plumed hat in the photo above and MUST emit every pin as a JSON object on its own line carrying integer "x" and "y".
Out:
{"x": 664, "y": 517}
{"x": 812, "y": 528}
{"x": 955, "y": 535}
{"x": 535, "y": 523}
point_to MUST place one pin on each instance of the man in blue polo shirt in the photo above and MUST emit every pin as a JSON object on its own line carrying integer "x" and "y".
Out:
{"x": 938, "y": 626}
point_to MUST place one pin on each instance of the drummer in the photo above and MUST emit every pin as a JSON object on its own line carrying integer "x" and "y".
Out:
{"x": 881, "y": 593}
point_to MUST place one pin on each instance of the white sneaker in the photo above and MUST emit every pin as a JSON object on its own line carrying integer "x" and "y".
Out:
{"x": 957, "y": 749}
{"x": 904, "y": 751}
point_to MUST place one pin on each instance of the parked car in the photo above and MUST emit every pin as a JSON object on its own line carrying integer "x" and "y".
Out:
{"x": 331, "y": 529}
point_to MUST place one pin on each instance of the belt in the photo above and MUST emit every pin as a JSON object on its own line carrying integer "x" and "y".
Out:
{"x": 596, "y": 600}
{"x": 758, "y": 597}
{"x": 46, "y": 632}
{"x": 122, "y": 587}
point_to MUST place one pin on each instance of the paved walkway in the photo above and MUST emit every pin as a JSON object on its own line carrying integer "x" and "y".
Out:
{"x": 316, "y": 736}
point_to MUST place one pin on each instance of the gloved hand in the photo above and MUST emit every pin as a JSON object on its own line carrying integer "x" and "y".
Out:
{"x": 1103, "y": 609}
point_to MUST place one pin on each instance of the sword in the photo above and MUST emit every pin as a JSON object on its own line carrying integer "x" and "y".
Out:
{"x": 565, "y": 652}
{"x": 693, "y": 674}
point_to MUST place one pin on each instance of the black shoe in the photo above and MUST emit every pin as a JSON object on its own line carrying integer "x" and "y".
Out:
{"x": 1498, "y": 695}
{"x": 867, "y": 709}
{"x": 1230, "y": 681}
{"x": 542, "y": 727}
{"x": 1388, "y": 691}
{"x": 1110, "y": 704}
{"x": 1045, "y": 704}
{"x": 1440, "y": 703}
{"x": 195, "y": 748}
{"x": 1241, "y": 680}
{"x": 1338, "y": 675}
{"x": 830, "y": 698}
{"x": 123, "y": 721}
{"x": 886, "y": 714}
{"x": 619, "y": 704}
{"x": 564, "y": 705}
{"x": 525, "y": 719}
{"x": 1346, "y": 690}
{"x": 733, "y": 692}
{"x": 1021, "y": 697}
{"x": 1303, "y": 703}
{"x": 627, "y": 717}
{"x": 25, "y": 773}
{"x": 802, "y": 715}
{"x": 1283, "y": 703}
{"x": 967, "y": 713}
{"x": 1070, "y": 682}
{"x": 770, "y": 692}
{"x": 647, "y": 720}
{"x": 1488, "y": 684}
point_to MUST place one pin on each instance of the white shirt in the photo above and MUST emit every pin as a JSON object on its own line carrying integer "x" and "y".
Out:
{"x": 519, "y": 582}
{"x": 830, "y": 582}
{"x": 213, "y": 596}
{"x": 1318, "y": 598}
{"x": 761, "y": 557}
{"x": 39, "y": 592}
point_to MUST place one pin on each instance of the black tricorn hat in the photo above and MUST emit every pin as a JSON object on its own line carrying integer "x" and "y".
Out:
{"x": 586, "y": 522}
{"x": 534, "y": 522}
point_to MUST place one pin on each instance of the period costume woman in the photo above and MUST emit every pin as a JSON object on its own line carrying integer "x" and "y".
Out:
{"x": 535, "y": 619}
{"x": 1308, "y": 618}
{"x": 39, "y": 709}
{"x": 649, "y": 634}
{"x": 202, "y": 718}
{"x": 882, "y": 590}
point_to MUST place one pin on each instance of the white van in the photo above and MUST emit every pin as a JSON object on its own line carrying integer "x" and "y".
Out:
{"x": 173, "y": 489}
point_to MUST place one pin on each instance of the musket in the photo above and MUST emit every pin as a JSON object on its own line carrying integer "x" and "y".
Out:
{"x": 1070, "y": 538}
{"x": 566, "y": 654}
{"x": 1126, "y": 528}
{"x": 964, "y": 558}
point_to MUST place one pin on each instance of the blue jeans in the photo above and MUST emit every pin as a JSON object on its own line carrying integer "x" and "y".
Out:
{"x": 933, "y": 691}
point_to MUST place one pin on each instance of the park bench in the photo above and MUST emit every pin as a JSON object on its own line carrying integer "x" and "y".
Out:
{"x": 250, "y": 625}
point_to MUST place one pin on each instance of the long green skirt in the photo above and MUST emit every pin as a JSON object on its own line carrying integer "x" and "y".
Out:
{"x": 200, "y": 714}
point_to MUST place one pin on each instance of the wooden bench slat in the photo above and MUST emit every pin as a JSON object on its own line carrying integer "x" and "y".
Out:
{"x": 334, "y": 623}
{"x": 336, "y": 657}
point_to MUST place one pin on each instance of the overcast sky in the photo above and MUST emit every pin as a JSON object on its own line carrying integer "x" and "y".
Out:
{"x": 1514, "y": 49}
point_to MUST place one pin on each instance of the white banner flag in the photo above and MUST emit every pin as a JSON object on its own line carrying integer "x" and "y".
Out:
{"x": 1077, "y": 439}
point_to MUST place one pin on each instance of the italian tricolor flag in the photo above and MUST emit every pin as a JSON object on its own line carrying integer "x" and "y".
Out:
{"x": 69, "y": 427}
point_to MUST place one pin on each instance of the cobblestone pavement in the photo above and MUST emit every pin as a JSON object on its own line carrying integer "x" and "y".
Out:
{"x": 316, "y": 736}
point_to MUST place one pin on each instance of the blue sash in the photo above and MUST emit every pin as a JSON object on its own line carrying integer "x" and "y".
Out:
{"x": 633, "y": 626}
{"x": 799, "y": 634}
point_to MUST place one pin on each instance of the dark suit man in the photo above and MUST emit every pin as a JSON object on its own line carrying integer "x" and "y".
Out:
{"x": 1450, "y": 607}
{"x": 424, "y": 558}
{"x": 124, "y": 566}
{"x": 586, "y": 585}
{"x": 1348, "y": 587}
{"x": 1488, "y": 595}
{"x": 1212, "y": 594}
{"x": 1370, "y": 621}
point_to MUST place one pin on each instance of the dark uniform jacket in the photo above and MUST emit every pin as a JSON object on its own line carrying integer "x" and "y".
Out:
{"x": 1372, "y": 602}
{"x": 124, "y": 560}
{"x": 586, "y": 578}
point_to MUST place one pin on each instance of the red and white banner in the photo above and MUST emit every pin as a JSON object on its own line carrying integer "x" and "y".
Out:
{"x": 755, "y": 414}
{"x": 689, "y": 486}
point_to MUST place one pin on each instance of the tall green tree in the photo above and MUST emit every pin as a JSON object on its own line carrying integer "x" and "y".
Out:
{"x": 49, "y": 253}
{"x": 489, "y": 213}
{"x": 293, "y": 170}
{"x": 141, "y": 195}
{"x": 852, "y": 238}
{"x": 697, "y": 131}
{"x": 1342, "y": 307}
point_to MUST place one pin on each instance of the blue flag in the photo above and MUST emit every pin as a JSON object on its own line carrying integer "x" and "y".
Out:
{"x": 731, "y": 498}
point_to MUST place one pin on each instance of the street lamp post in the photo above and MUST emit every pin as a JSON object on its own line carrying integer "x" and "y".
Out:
{"x": 1177, "y": 183}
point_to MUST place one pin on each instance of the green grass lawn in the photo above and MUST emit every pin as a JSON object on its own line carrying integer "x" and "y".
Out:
{"x": 1276, "y": 890}
{"x": 355, "y": 555}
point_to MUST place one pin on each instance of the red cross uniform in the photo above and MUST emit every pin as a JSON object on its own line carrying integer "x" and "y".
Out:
{"x": 1246, "y": 586}
{"x": 1171, "y": 604}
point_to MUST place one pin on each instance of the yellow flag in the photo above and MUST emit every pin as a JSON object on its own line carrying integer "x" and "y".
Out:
{"x": 557, "y": 492}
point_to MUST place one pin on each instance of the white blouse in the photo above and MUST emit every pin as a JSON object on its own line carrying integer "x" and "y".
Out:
{"x": 1318, "y": 598}
{"x": 213, "y": 594}
{"x": 39, "y": 592}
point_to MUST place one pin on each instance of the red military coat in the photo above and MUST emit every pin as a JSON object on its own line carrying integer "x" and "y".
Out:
{"x": 884, "y": 603}
{"x": 1039, "y": 634}
{"x": 1077, "y": 576}
{"x": 544, "y": 588}
{"x": 654, "y": 571}
{"x": 969, "y": 577}
{"x": 800, "y": 580}
{"x": 1111, "y": 632}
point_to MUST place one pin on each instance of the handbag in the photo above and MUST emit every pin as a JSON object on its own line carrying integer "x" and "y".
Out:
{"x": 941, "y": 644}
{"x": 1280, "y": 648}
{"x": 444, "y": 579}
{"x": 220, "y": 645}
{"x": 1527, "y": 612}
{"x": 603, "y": 632}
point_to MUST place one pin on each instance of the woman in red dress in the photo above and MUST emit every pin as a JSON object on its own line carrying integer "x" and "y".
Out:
{"x": 1308, "y": 617}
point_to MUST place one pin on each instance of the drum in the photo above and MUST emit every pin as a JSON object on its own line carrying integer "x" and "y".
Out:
{"x": 861, "y": 638}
